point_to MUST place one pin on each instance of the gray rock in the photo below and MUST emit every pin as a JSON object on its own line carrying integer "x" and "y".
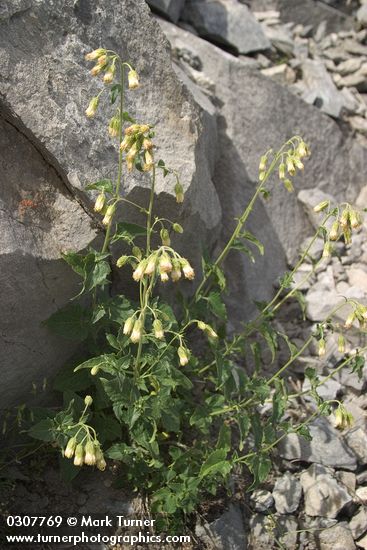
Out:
{"x": 226, "y": 22}
{"x": 349, "y": 66}
{"x": 359, "y": 123}
{"x": 225, "y": 533}
{"x": 362, "y": 15}
{"x": 262, "y": 500}
{"x": 310, "y": 198}
{"x": 47, "y": 120}
{"x": 356, "y": 439}
{"x": 362, "y": 543}
{"x": 311, "y": 12}
{"x": 321, "y": 90}
{"x": 347, "y": 479}
{"x": 171, "y": 8}
{"x": 287, "y": 494}
{"x": 328, "y": 390}
{"x": 280, "y": 38}
{"x": 361, "y": 495}
{"x": 323, "y": 495}
{"x": 319, "y": 303}
{"x": 265, "y": 530}
{"x": 358, "y": 523}
{"x": 326, "y": 447}
{"x": 337, "y": 537}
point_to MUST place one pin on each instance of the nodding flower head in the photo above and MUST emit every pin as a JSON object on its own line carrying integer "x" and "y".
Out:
{"x": 133, "y": 80}
{"x": 92, "y": 107}
{"x": 137, "y": 332}
{"x": 95, "y": 54}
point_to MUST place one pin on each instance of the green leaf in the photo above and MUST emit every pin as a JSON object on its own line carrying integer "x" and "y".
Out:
{"x": 302, "y": 302}
{"x": 252, "y": 239}
{"x": 67, "y": 469}
{"x": 113, "y": 341}
{"x": 216, "y": 463}
{"x": 128, "y": 118}
{"x": 260, "y": 467}
{"x": 43, "y": 430}
{"x": 97, "y": 276}
{"x": 119, "y": 451}
{"x": 72, "y": 322}
{"x": 128, "y": 232}
{"x": 107, "y": 428}
{"x": 106, "y": 362}
{"x": 101, "y": 185}
{"x": 217, "y": 306}
{"x": 224, "y": 438}
{"x": 114, "y": 92}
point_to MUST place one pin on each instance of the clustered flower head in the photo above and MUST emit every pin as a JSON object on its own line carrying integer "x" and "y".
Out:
{"x": 166, "y": 264}
{"x": 105, "y": 64}
{"x": 347, "y": 220}
{"x": 136, "y": 144}
{"x": 290, "y": 161}
{"x": 83, "y": 448}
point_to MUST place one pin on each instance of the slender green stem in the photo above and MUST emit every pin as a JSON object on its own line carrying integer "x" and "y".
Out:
{"x": 119, "y": 173}
{"x": 147, "y": 288}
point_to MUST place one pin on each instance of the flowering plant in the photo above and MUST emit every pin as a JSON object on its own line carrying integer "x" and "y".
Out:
{"x": 179, "y": 421}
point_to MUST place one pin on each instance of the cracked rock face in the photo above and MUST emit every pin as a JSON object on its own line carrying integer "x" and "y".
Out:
{"x": 51, "y": 151}
{"x": 38, "y": 218}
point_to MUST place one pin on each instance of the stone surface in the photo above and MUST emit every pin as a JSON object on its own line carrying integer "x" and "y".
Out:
{"x": 326, "y": 447}
{"x": 362, "y": 15}
{"x": 337, "y": 537}
{"x": 264, "y": 530}
{"x": 43, "y": 49}
{"x": 226, "y": 22}
{"x": 356, "y": 440}
{"x": 323, "y": 495}
{"x": 170, "y": 8}
{"x": 287, "y": 494}
{"x": 358, "y": 523}
{"x": 226, "y": 532}
{"x": 262, "y": 500}
{"x": 320, "y": 88}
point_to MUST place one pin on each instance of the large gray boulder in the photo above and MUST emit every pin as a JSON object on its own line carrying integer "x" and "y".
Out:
{"x": 51, "y": 151}
{"x": 170, "y": 8}
{"x": 226, "y": 22}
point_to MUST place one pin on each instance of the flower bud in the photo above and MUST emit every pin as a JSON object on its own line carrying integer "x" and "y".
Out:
{"x": 94, "y": 370}
{"x": 109, "y": 75}
{"x": 128, "y": 326}
{"x": 349, "y": 320}
{"x": 139, "y": 271}
{"x": 341, "y": 344}
{"x": 262, "y": 176}
{"x": 147, "y": 144}
{"x": 165, "y": 265}
{"x": 100, "y": 202}
{"x": 133, "y": 80}
{"x": 355, "y": 219}
{"x": 95, "y": 54}
{"x": 143, "y": 128}
{"x": 322, "y": 347}
{"x": 201, "y": 325}
{"x": 262, "y": 165}
{"x": 137, "y": 332}
{"x": 210, "y": 332}
{"x": 344, "y": 218}
{"x": 96, "y": 70}
{"x": 101, "y": 464}
{"x": 158, "y": 329}
{"x": 122, "y": 261}
{"x": 109, "y": 214}
{"x": 334, "y": 231}
{"x": 90, "y": 455}
{"x": 151, "y": 265}
{"x": 288, "y": 185}
{"x": 88, "y": 400}
{"x": 131, "y": 130}
{"x": 102, "y": 60}
{"x": 79, "y": 455}
{"x": 165, "y": 238}
{"x": 70, "y": 448}
{"x": 164, "y": 277}
{"x": 302, "y": 150}
{"x": 327, "y": 250}
{"x": 179, "y": 193}
{"x": 298, "y": 164}
{"x": 114, "y": 127}
{"x": 126, "y": 143}
{"x": 148, "y": 161}
{"x": 188, "y": 271}
{"x": 92, "y": 107}
{"x": 321, "y": 206}
{"x": 176, "y": 271}
{"x": 290, "y": 167}
{"x": 177, "y": 228}
{"x": 282, "y": 171}
{"x": 342, "y": 418}
{"x": 183, "y": 355}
